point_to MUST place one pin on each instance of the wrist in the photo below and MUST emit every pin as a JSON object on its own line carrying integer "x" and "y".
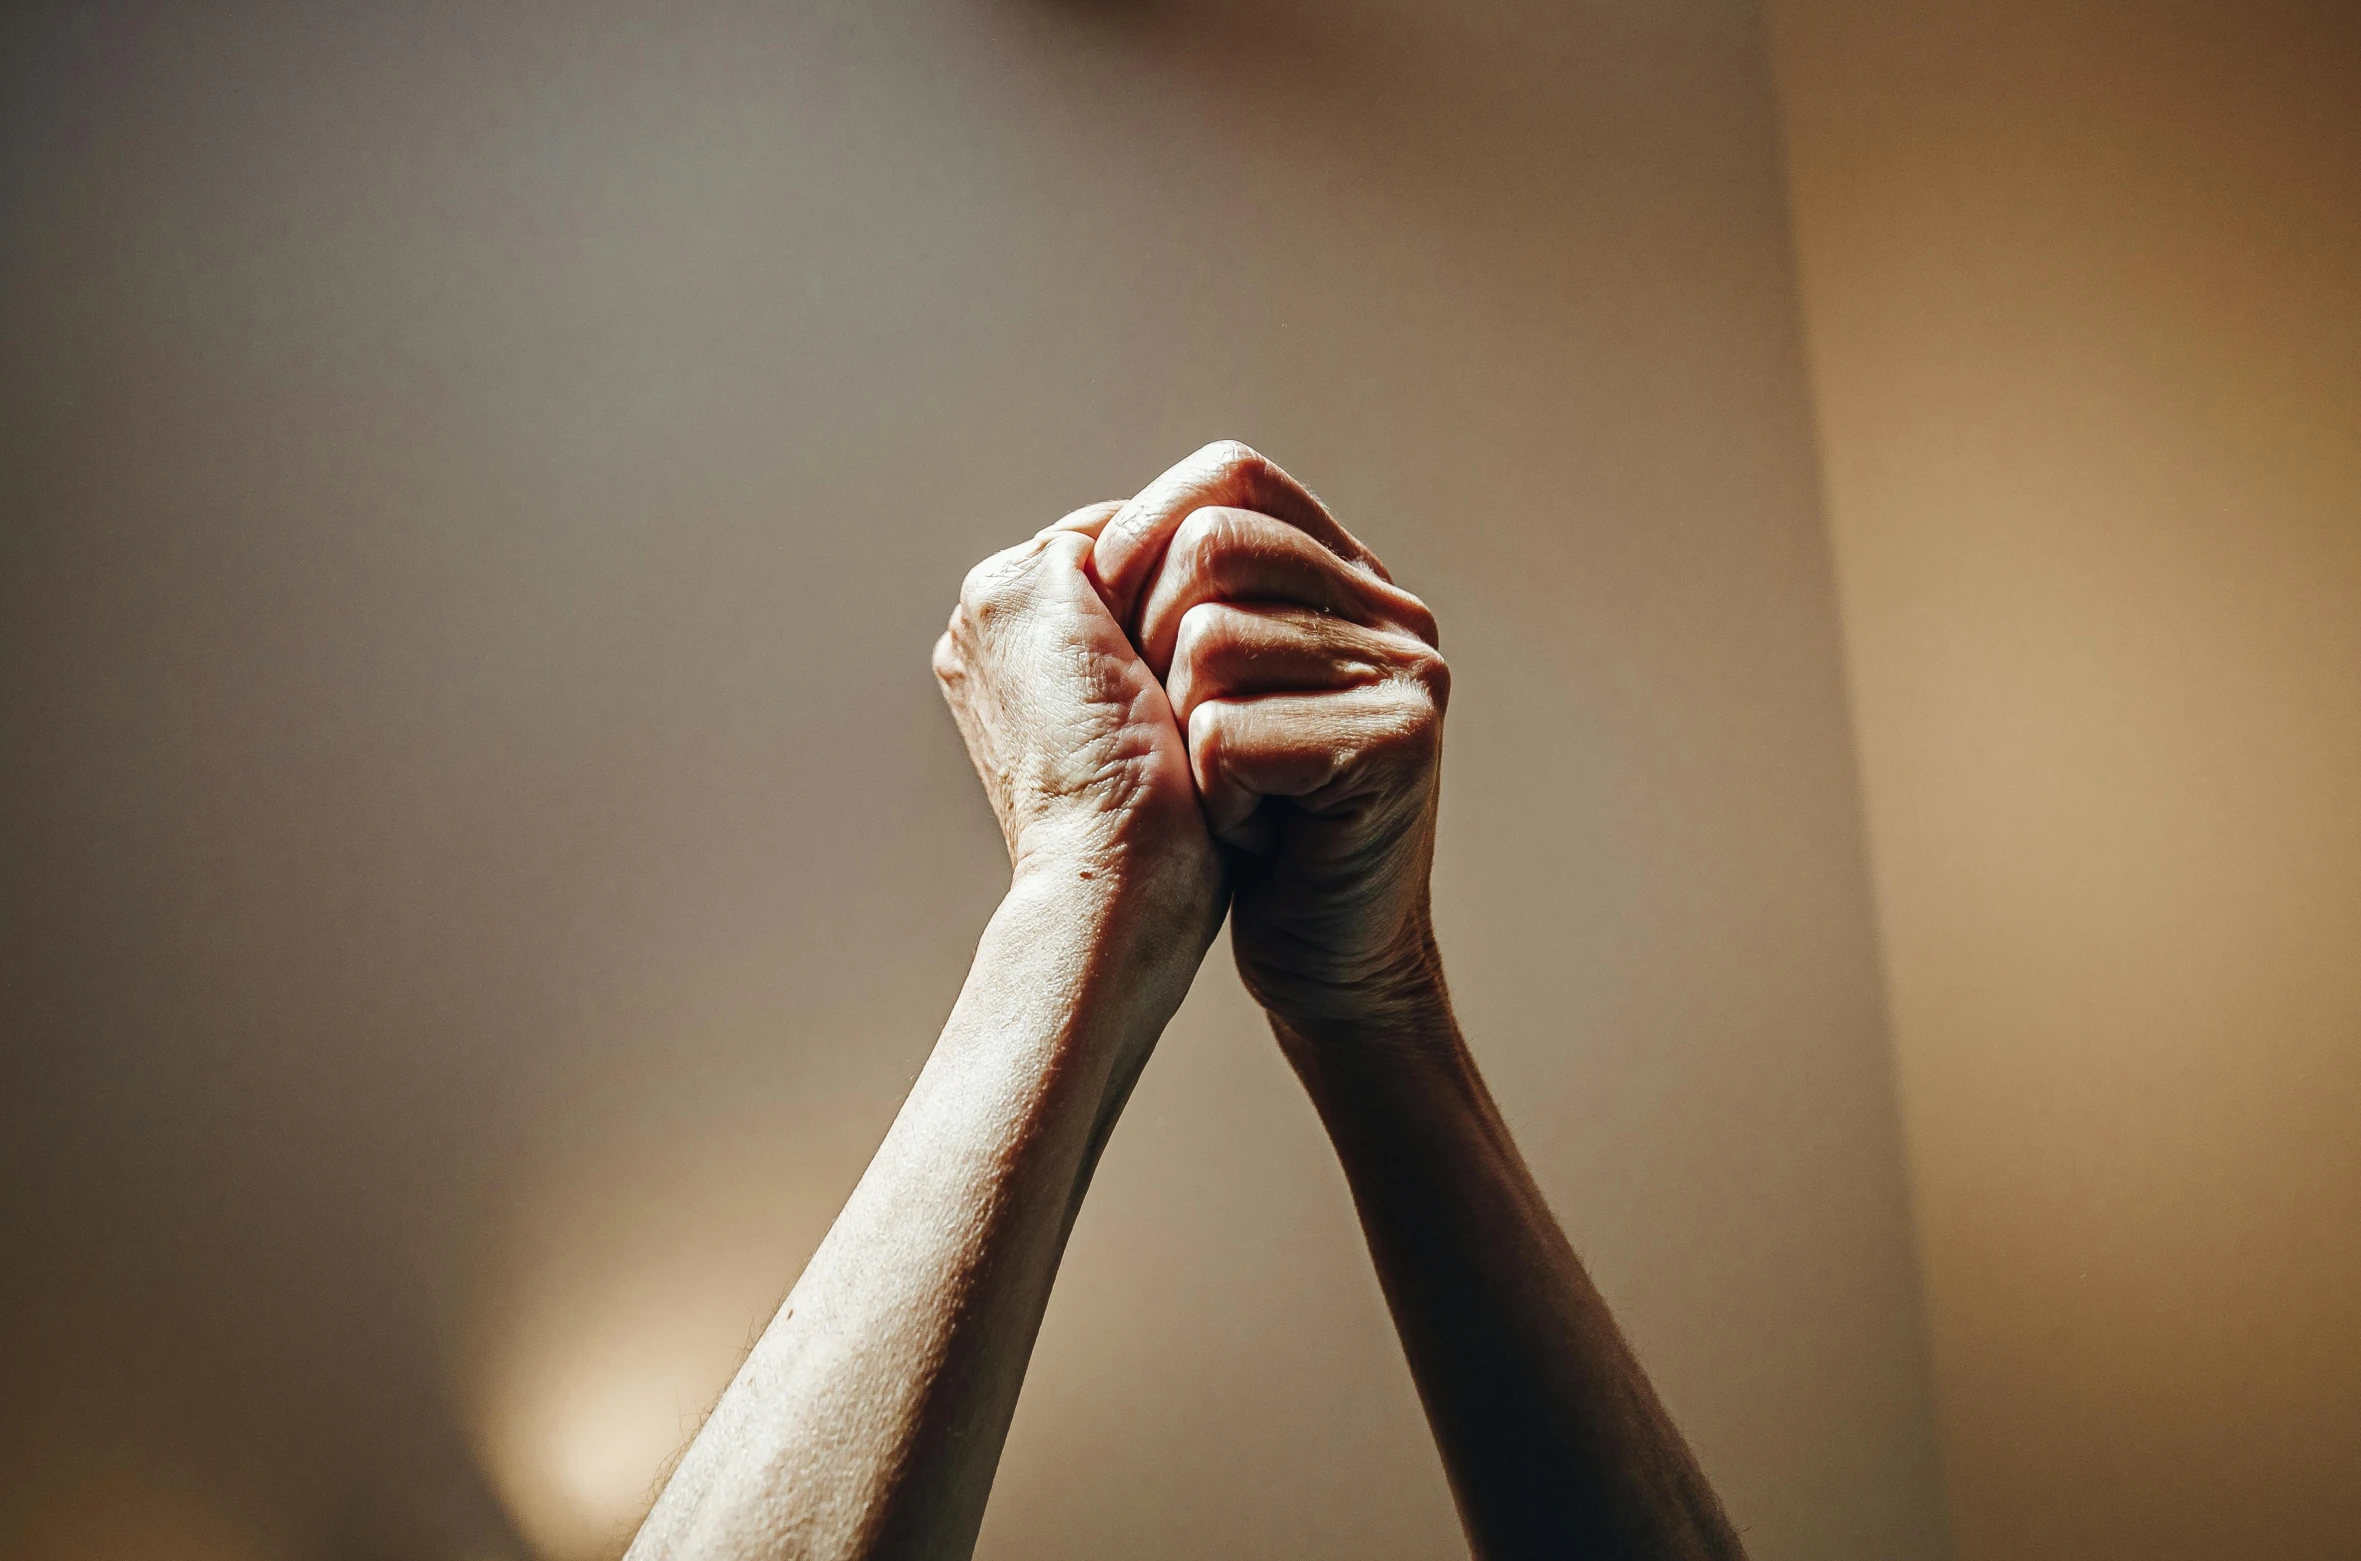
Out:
{"x": 1071, "y": 986}
{"x": 1397, "y": 1002}
{"x": 1406, "y": 1024}
{"x": 1140, "y": 871}
{"x": 1140, "y": 914}
{"x": 1370, "y": 1069}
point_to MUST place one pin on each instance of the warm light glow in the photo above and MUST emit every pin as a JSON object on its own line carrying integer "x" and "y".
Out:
{"x": 588, "y": 1426}
{"x": 633, "y": 1283}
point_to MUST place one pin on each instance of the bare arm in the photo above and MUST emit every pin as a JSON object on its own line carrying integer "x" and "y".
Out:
{"x": 1554, "y": 1441}
{"x": 1313, "y": 695}
{"x": 869, "y": 1418}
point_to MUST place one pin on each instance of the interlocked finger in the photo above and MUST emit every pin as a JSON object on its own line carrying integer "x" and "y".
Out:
{"x": 1323, "y": 749}
{"x": 1090, "y": 519}
{"x": 1227, "y": 651}
{"x": 1236, "y": 555}
{"x": 1223, "y": 473}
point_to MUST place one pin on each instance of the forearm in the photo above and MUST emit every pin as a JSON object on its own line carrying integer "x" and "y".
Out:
{"x": 868, "y": 1420}
{"x": 1553, "y": 1440}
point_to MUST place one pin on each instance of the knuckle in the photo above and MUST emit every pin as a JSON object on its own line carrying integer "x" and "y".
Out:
{"x": 975, "y": 587}
{"x": 1427, "y": 668}
{"x": 1419, "y": 618}
{"x": 993, "y": 585}
{"x": 1199, "y": 628}
{"x": 1234, "y": 458}
{"x": 1205, "y": 736}
{"x": 1198, "y": 538}
{"x": 1412, "y": 729}
{"x": 1087, "y": 516}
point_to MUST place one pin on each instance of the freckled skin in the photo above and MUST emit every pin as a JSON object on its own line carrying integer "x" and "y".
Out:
{"x": 1211, "y": 697}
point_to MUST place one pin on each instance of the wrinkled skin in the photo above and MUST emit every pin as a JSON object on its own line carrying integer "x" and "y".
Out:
{"x": 1312, "y": 693}
{"x": 1211, "y": 691}
{"x": 1069, "y": 729}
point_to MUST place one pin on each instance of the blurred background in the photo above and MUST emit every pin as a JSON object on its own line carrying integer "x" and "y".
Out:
{"x": 484, "y": 857}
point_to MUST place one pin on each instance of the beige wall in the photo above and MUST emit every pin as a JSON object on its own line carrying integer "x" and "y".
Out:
{"x": 485, "y": 857}
{"x": 2082, "y": 285}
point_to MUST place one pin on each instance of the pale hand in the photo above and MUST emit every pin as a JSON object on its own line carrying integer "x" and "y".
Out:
{"x": 1072, "y": 735}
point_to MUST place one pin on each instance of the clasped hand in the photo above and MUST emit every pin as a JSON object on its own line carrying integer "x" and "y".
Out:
{"x": 1208, "y": 698}
{"x": 1214, "y": 691}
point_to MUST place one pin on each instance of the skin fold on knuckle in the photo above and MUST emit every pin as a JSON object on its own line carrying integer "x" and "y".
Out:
{"x": 1209, "y": 746}
{"x": 1426, "y": 669}
{"x": 1207, "y": 639}
{"x": 1199, "y": 627}
{"x": 1423, "y": 624}
{"x": 1401, "y": 612}
{"x": 1354, "y": 655}
{"x": 1412, "y": 715}
{"x": 1000, "y": 584}
{"x": 1192, "y": 559}
{"x": 1380, "y": 748}
{"x": 1201, "y": 533}
{"x": 1235, "y": 460}
{"x": 1320, "y": 765}
{"x": 1403, "y": 755}
{"x": 1062, "y": 548}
